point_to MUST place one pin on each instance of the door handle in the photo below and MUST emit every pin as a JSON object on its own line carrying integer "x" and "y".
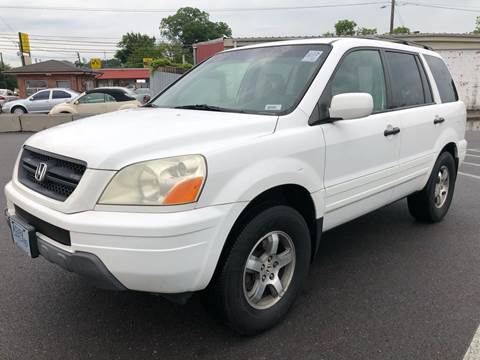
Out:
{"x": 391, "y": 131}
{"x": 438, "y": 120}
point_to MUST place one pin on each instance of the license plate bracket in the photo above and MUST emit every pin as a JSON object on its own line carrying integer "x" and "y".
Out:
{"x": 23, "y": 235}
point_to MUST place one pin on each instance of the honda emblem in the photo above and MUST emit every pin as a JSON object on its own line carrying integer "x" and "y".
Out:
{"x": 40, "y": 172}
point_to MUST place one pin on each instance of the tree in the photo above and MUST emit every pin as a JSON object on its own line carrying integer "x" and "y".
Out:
{"x": 191, "y": 25}
{"x": 366, "y": 31}
{"x": 7, "y": 81}
{"x": 131, "y": 42}
{"x": 345, "y": 27}
{"x": 401, "y": 30}
{"x": 477, "y": 27}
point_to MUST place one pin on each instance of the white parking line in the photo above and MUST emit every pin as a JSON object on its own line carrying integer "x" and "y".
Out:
{"x": 473, "y": 352}
{"x": 473, "y": 155}
{"x": 474, "y": 150}
{"x": 469, "y": 163}
{"x": 469, "y": 175}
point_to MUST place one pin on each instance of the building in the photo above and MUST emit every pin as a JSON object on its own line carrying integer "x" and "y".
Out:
{"x": 127, "y": 77}
{"x": 460, "y": 51}
{"x": 50, "y": 74}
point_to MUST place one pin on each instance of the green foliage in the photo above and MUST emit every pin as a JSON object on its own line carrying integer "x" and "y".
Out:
{"x": 191, "y": 25}
{"x": 345, "y": 27}
{"x": 134, "y": 42}
{"x": 166, "y": 62}
{"x": 111, "y": 63}
{"x": 401, "y": 30}
{"x": 366, "y": 31}
{"x": 7, "y": 81}
{"x": 477, "y": 26}
{"x": 329, "y": 34}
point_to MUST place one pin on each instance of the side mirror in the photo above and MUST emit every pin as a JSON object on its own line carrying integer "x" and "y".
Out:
{"x": 31, "y": 99}
{"x": 351, "y": 106}
{"x": 76, "y": 102}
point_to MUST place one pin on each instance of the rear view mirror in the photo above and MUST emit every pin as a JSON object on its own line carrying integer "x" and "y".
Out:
{"x": 351, "y": 106}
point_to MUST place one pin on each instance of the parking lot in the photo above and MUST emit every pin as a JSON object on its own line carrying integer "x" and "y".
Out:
{"x": 382, "y": 287}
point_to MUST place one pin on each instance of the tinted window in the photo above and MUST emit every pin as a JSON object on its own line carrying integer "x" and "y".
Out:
{"x": 58, "y": 94}
{"x": 93, "y": 98}
{"x": 43, "y": 95}
{"x": 360, "y": 71}
{"x": 445, "y": 84}
{"x": 109, "y": 98}
{"x": 407, "y": 86}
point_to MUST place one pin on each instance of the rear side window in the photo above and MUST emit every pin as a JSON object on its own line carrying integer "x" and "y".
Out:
{"x": 406, "y": 81}
{"x": 443, "y": 79}
{"x": 58, "y": 94}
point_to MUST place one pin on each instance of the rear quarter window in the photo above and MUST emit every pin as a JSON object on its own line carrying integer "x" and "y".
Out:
{"x": 443, "y": 79}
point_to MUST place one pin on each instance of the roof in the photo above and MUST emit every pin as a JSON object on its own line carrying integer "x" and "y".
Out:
{"x": 118, "y": 93}
{"x": 50, "y": 66}
{"x": 130, "y": 73}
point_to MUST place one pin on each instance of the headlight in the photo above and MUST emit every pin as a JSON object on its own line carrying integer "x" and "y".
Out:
{"x": 169, "y": 181}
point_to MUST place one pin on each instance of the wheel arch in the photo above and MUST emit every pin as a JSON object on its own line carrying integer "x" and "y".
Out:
{"x": 451, "y": 148}
{"x": 294, "y": 195}
{"x": 18, "y": 106}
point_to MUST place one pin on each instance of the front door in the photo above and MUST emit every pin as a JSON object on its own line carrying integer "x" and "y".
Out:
{"x": 92, "y": 103}
{"x": 39, "y": 102}
{"x": 361, "y": 158}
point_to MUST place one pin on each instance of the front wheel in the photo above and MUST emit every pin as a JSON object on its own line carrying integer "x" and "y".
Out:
{"x": 263, "y": 271}
{"x": 432, "y": 203}
{"x": 18, "y": 110}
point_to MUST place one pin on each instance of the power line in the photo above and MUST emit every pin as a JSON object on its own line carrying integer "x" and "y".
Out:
{"x": 445, "y": 7}
{"x": 158, "y": 10}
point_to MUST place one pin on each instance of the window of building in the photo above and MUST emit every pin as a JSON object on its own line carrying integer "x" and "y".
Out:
{"x": 443, "y": 79}
{"x": 63, "y": 84}
{"x": 32, "y": 86}
{"x": 406, "y": 80}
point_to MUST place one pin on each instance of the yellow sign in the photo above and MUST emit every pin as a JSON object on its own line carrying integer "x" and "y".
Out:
{"x": 96, "y": 63}
{"x": 24, "y": 43}
{"x": 147, "y": 62}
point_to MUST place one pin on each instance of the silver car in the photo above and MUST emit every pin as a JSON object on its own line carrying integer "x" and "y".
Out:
{"x": 7, "y": 95}
{"x": 40, "y": 102}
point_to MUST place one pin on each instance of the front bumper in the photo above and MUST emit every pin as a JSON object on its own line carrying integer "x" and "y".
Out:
{"x": 156, "y": 252}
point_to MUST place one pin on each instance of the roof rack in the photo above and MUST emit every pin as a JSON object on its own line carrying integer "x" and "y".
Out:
{"x": 398, "y": 41}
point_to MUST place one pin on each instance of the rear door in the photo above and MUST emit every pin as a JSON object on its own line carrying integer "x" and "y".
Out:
{"x": 60, "y": 96}
{"x": 414, "y": 107}
{"x": 361, "y": 158}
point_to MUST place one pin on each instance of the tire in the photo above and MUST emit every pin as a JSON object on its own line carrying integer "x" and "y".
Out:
{"x": 19, "y": 110}
{"x": 432, "y": 203}
{"x": 230, "y": 292}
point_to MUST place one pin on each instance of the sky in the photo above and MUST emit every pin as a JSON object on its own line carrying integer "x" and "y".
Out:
{"x": 101, "y": 30}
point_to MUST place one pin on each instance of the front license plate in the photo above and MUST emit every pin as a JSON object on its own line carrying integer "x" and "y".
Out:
{"x": 24, "y": 236}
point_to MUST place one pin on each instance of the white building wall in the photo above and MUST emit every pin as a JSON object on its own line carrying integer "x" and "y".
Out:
{"x": 464, "y": 66}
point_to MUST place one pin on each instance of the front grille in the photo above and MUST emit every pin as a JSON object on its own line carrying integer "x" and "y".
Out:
{"x": 61, "y": 177}
{"x": 53, "y": 232}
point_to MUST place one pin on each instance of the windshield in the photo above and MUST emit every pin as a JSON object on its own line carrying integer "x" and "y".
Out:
{"x": 266, "y": 80}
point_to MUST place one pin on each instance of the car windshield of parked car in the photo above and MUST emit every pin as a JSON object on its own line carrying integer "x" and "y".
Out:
{"x": 265, "y": 80}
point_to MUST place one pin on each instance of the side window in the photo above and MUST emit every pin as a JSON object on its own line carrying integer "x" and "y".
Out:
{"x": 109, "y": 98}
{"x": 42, "y": 95}
{"x": 443, "y": 79}
{"x": 360, "y": 71}
{"x": 406, "y": 80}
{"x": 58, "y": 94}
{"x": 92, "y": 98}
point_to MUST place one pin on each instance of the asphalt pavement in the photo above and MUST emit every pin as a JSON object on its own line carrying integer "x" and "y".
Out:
{"x": 382, "y": 287}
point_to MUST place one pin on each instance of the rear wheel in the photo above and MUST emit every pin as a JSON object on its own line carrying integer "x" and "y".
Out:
{"x": 432, "y": 203}
{"x": 263, "y": 271}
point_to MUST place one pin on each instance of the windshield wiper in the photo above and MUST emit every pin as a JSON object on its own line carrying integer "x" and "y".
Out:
{"x": 204, "y": 107}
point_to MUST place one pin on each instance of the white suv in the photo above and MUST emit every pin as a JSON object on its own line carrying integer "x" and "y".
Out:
{"x": 226, "y": 180}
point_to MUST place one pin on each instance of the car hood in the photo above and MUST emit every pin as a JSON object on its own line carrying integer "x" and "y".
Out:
{"x": 114, "y": 140}
{"x": 12, "y": 103}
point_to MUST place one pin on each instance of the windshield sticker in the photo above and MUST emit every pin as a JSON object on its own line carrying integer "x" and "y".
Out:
{"x": 312, "y": 56}
{"x": 273, "y": 107}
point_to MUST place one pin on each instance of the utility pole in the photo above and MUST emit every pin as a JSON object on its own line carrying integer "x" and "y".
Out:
{"x": 2, "y": 69}
{"x": 392, "y": 16}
